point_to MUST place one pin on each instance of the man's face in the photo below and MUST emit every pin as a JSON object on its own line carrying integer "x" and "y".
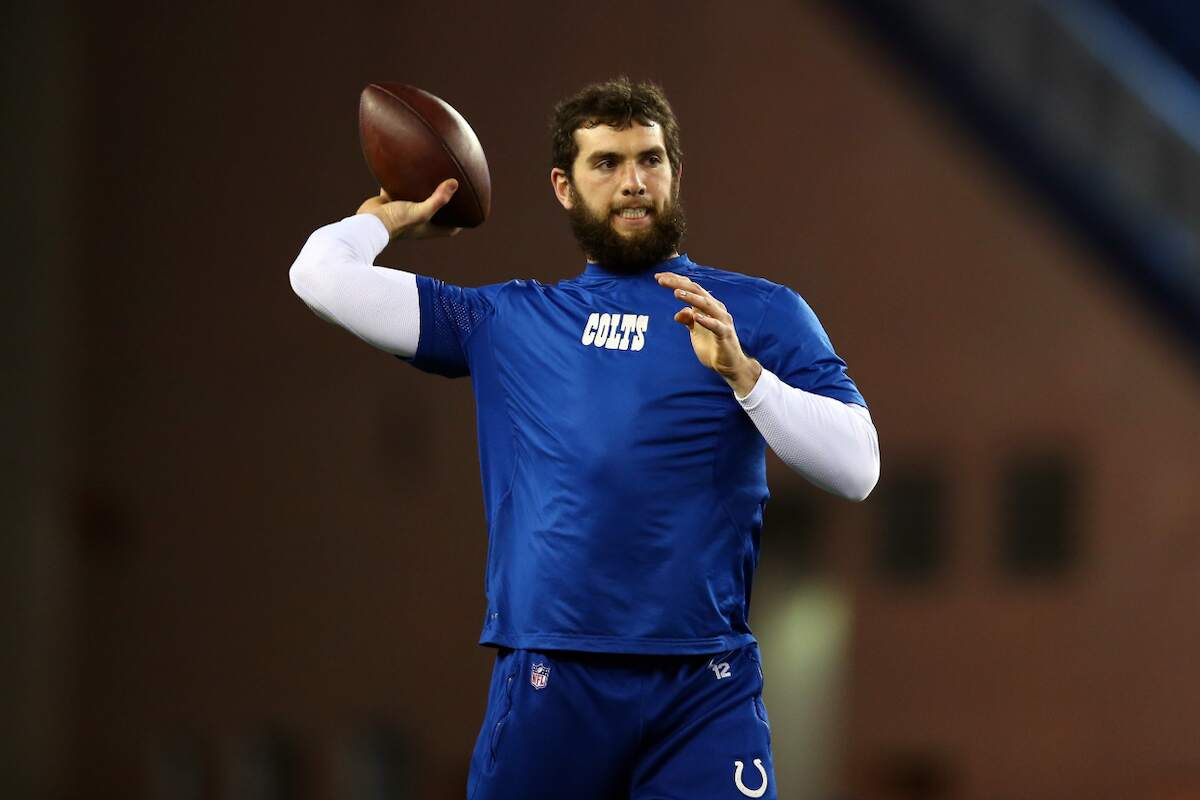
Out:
{"x": 622, "y": 199}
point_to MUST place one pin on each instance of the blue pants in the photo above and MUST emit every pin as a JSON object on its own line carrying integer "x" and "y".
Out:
{"x": 589, "y": 726}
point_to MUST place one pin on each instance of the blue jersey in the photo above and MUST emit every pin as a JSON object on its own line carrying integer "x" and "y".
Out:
{"x": 623, "y": 484}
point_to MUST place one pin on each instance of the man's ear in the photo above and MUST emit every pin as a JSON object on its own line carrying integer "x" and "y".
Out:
{"x": 561, "y": 182}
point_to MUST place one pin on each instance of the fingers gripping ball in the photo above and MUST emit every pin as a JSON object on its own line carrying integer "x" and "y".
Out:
{"x": 413, "y": 141}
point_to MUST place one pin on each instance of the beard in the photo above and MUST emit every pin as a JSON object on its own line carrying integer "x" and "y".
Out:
{"x": 627, "y": 255}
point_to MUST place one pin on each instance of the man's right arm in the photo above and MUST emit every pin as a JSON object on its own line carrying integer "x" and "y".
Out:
{"x": 334, "y": 273}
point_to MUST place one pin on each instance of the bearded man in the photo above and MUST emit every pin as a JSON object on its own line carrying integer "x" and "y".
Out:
{"x": 621, "y": 545}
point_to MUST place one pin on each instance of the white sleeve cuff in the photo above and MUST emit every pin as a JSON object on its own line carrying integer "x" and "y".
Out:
{"x": 757, "y": 391}
{"x": 366, "y": 233}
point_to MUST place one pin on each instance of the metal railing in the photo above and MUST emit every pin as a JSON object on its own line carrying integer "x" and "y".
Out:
{"x": 1101, "y": 119}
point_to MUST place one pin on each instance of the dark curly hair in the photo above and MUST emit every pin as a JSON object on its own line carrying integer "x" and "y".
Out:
{"x": 616, "y": 102}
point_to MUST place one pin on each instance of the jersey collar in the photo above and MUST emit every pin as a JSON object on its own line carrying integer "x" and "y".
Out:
{"x": 595, "y": 270}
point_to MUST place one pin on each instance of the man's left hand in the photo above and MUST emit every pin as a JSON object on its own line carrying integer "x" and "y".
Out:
{"x": 714, "y": 337}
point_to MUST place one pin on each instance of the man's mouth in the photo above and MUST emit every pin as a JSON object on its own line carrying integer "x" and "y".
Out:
{"x": 632, "y": 213}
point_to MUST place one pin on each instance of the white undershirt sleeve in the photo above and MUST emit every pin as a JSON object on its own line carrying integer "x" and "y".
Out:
{"x": 833, "y": 444}
{"x": 334, "y": 275}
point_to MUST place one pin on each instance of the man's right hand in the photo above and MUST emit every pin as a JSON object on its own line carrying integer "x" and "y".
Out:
{"x": 406, "y": 220}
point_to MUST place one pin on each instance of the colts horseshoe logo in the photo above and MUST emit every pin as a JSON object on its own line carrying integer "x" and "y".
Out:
{"x": 737, "y": 779}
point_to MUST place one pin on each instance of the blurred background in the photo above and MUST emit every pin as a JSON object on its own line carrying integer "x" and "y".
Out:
{"x": 242, "y": 553}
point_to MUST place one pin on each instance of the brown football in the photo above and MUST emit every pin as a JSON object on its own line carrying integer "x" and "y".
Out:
{"x": 413, "y": 141}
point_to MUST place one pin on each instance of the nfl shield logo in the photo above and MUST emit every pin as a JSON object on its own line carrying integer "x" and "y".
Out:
{"x": 539, "y": 675}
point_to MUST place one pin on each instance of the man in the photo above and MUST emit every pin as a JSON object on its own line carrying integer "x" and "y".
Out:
{"x": 623, "y": 419}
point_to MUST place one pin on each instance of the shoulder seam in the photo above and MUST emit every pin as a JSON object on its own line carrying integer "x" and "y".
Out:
{"x": 757, "y": 283}
{"x": 763, "y": 318}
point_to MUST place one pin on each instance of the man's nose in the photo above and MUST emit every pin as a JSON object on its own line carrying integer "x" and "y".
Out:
{"x": 631, "y": 181}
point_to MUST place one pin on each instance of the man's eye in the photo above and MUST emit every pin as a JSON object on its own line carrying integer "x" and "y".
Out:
{"x": 607, "y": 163}
{"x": 654, "y": 160}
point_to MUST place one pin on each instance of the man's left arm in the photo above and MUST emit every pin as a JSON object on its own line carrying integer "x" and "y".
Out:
{"x": 832, "y": 444}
